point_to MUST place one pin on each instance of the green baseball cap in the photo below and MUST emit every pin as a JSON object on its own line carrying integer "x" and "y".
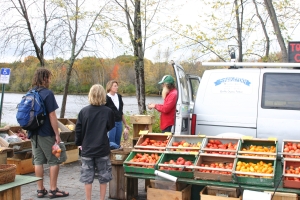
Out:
{"x": 167, "y": 79}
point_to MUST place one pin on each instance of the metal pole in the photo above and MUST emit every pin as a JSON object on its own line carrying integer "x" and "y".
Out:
{"x": 3, "y": 88}
{"x": 249, "y": 64}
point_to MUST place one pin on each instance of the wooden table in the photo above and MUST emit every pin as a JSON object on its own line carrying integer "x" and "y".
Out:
{"x": 12, "y": 191}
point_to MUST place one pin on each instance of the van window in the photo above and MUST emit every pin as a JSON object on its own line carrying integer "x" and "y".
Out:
{"x": 281, "y": 91}
{"x": 183, "y": 86}
{"x": 194, "y": 84}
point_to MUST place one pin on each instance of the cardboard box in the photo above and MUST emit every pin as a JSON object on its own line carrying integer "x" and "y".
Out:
{"x": 161, "y": 194}
{"x": 219, "y": 193}
{"x": 283, "y": 196}
{"x": 167, "y": 185}
{"x": 72, "y": 156}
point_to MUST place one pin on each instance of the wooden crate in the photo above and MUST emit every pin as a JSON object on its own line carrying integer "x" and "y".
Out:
{"x": 117, "y": 156}
{"x": 23, "y": 166}
{"x": 154, "y": 194}
{"x": 142, "y": 119}
{"x": 141, "y": 127}
{"x": 5, "y": 152}
{"x": 291, "y": 180}
{"x": 283, "y": 196}
{"x": 212, "y": 195}
{"x": 72, "y": 156}
{"x": 64, "y": 132}
{"x": 71, "y": 126}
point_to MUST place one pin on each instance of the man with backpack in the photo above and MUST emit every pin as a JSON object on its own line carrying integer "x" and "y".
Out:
{"x": 45, "y": 136}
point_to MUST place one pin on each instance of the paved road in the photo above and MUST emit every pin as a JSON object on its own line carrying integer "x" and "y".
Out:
{"x": 68, "y": 180}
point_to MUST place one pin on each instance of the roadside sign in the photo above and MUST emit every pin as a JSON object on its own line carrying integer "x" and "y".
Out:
{"x": 294, "y": 52}
{"x": 4, "y": 75}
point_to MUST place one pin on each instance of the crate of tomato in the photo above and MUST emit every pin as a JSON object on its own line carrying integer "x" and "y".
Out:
{"x": 290, "y": 149}
{"x": 291, "y": 173}
{"x": 185, "y": 144}
{"x": 141, "y": 162}
{"x": 152, "y": 142}
{"x": 220, "y": 146}
{"x": 214, "y": 168}
{"x": 178, "y": 165}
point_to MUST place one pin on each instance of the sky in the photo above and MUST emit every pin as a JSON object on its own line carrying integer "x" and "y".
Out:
{"x": 187, "y": 14}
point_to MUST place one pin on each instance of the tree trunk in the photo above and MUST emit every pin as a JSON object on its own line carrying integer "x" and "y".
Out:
{"x": 273, "y": 17}
{"x": 66, "y": 89}
{"x": 265, "y": 31}
{"x": 239, "y": 30}
{"x": 139, "y": 62}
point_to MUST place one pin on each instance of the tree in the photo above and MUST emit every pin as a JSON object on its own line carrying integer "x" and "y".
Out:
{"x": 138, "y": 17}
{"x": 76, "y": 35}
{"x": 27, "y": 26}
{"x": 277, "y": 29}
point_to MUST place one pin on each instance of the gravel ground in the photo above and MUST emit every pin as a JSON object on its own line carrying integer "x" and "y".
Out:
{"x": 68, "y": 180}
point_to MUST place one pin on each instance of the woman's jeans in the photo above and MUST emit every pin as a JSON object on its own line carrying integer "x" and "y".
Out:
{"x": 115, "y": 135}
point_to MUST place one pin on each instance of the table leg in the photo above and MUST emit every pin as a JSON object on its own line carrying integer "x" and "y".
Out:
{"x": 11, "y": 194}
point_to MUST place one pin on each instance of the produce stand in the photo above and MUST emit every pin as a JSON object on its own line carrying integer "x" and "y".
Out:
{"x": 13, "y": 190}
{"x": 253, "y": 152}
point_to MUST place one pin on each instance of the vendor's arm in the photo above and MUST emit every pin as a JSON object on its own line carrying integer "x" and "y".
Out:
{"x": 169, "y": 104}
{"x": 54, "y": 124}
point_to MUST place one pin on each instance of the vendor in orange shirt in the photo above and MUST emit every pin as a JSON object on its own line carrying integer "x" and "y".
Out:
{"x": 168, "y": 108}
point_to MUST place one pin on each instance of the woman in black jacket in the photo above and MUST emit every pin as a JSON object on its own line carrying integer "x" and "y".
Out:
{"x": 115, "y": 102}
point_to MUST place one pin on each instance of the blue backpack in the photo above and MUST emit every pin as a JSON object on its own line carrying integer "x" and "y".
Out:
{"x": 31, "y": 110}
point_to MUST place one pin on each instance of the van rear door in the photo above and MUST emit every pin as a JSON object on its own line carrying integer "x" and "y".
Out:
{"x": 187, "y": 86}
{"x": 279, "y": 108}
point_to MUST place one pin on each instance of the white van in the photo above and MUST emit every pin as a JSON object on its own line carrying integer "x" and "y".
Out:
{"x": 257, "y": 102}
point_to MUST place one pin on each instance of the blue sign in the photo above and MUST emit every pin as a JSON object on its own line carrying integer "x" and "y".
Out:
{"x": 4, "y": 75}
{"x": 232, "y": 79}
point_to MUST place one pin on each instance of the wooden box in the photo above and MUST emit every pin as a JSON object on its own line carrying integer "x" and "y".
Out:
{"x": 23, "y": 166}
{"x": 117, "y": 156}
{"x": 14, "y": 130}
{"x": 167, "y": 185}
{"x": 71, "y": 126}
{"x": 5, "y": 152}
{"x": 185, "y": 144}
{"x": 155, "y": 137}
{"x": 219, "y": 193}
{"x": 154, "y": 194}
{"x": 72, "y": 156}
{"x": 212, "y": 172}
{"x": 257, "y": 147}
{"x": 291, "y": 180}
{"x": 64, "y": 131}
{"x": 142, "y": 119}
{"x": 283, "y": 196}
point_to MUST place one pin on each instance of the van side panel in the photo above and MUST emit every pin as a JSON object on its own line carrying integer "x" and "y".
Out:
{"x": 227, "y": 102}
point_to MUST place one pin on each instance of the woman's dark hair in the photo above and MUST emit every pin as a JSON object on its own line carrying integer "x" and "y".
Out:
{"x": 41, "y": 76}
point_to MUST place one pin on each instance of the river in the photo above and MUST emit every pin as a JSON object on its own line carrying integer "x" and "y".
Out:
{"x": 74, "y": 104}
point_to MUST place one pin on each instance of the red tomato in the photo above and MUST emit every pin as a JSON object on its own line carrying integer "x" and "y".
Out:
{"x": 175, "y": 144}
{"x": 211, "y": 141}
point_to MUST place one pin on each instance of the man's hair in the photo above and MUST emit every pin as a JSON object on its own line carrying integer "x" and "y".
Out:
{"x": 41, "y": 76}
{"x": 110, "y": 84}
{"x": 170, "y": 86}
{"x": 97, "y": 95}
